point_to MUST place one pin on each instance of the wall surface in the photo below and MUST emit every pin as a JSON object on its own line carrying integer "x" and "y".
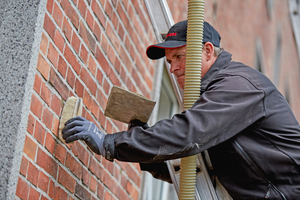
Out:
{"x": 54, "y": 49}
{"x": 86, "y": 47}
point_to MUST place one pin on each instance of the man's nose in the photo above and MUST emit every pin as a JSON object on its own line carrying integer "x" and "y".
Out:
{"x": 174, "y": 67}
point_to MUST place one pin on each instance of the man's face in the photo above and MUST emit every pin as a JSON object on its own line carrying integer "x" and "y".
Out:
{"x": 176, "y": 58}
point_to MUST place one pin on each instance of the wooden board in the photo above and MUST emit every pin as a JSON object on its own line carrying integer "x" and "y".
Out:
{"x": 125, "y": 106}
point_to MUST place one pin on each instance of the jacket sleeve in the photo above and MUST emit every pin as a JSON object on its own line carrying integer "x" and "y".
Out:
{"x": 229, "y": 105}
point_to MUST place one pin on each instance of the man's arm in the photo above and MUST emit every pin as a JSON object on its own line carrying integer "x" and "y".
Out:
{"x": 228, "y": 106}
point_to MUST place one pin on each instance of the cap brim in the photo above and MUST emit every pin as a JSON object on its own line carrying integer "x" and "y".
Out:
{"x": 157, "y": 51}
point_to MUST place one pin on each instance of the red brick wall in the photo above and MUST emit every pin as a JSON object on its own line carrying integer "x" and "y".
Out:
{"x": 87, "y": 47}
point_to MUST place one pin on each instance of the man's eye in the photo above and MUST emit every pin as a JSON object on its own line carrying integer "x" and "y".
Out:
{"x": 180, "y": 56}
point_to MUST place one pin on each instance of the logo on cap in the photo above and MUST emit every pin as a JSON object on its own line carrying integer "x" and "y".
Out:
{"x": 171, "y": 34}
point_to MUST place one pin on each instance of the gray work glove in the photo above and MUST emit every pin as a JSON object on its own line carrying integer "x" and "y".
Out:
{"x": 79, "y": 128}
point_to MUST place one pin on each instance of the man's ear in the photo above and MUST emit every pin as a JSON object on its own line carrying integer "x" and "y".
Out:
{"x": 209, "y": 50}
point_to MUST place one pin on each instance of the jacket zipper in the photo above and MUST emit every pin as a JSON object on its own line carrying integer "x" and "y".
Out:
{"x": 270, "y": 184}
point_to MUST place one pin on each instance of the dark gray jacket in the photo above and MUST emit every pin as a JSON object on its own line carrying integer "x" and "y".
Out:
{"x": 242, "y": 120}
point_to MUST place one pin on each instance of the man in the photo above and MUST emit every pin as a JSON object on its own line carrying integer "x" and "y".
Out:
{"x": 246, "y": 125}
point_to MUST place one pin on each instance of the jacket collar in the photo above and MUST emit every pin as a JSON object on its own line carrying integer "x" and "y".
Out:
{"x": 223, "y": 59}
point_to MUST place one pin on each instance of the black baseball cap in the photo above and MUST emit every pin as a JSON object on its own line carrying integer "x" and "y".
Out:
{"x": 176, "y": 37}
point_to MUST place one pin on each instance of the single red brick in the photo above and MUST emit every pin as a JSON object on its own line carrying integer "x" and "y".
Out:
{"x": 106, "y": 86}
{"x": 100, "y": 190}
{"x": 59, "y": 41}
{"x": 32, "y": 174}
{"x": 49, "y": 5}
{"x": 115, "y": 20}
{"x": 37, "y": 83}
{"x": 79, "y": 88}
{"x": 87, "y": 100}
{"x": 121, "y": 32}
{"x": 99, "y": 76}
{"x": 73, "y": 165}
{"x": 49, "y": 26}
{"x": 52, "y": 55}
{"x": 71, "y": 78}
{"x": 24, "y": 166}
{"x": 69, "y": 161}
{"x": 97, "y": 31}
{"x": 102, "y": 61}
{"x": 134, "y": 193}
{"x": 60, "y": 153}
{"x": 85, "y": 177}
{"x": 87, "y": 79}
{"x": 70, "y": 12}
{"x": 81, "y": 192}
{"x": 82, "y": 7}
{"x": 129, "y": 187}
{"x": 47, "y": 163}
{"x": 80, "y": 152}
{"x": 117, "y": 173}
{"x": 55, "y": 126}
{"x": 39, "y": 133}
{"x": 66, "y": 180}
{"x": 107, "y": 195}
{"x": 98, "y": 12}
{"x": 58, "y": 84}
{"x": 33, "y": 194}
{"x": 108, "y": 9}
{"x": 112, "y": 36}
{"x": 101, "y": 98}
{"x": 50, "y": 143}
{"x": 104, "y": 42}
{"x": 44, "y": 44}
{"x": 43, "y": 67}
{"x": 55, "y": 104}
{"x": 89, "y": 19}
{"x": 95, "y": 168}
{"x": 92, "y": 66}
{"x": 56, "y": 192}
{"x": 22, "y": 189}
{"x": 77, "y": 169}
{"x": 57, "y": 15}
{"x": 93, "y": 184}
{"x": 121, "y": 194}
{"x": 71, "y": 58}
{"x": 43, "y": 182}
{"x": 114, "y": 79}
{"x": 30, "y": 124}
{"x": 108, "y": 127}
{"x": 95, "y": 109}
{"x": 53, "y": 190}
{"x": 46, "y": 94}
{"x": 123, "y": 16}
{"x": 83, "y": 54}
{"x": 67, "y": 29}
{"x": 30, "y": 148}
{"x": 62, "y": 67}
{"x": 87, "y": 37}
{"x": 75, "y": 42}
{"x": 132, "y": 174}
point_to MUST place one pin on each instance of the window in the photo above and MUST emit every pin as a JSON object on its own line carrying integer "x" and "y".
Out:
{"x": 167, "y": 107}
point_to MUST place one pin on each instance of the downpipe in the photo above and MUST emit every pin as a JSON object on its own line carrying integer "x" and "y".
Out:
{"x": 192, "y": 88}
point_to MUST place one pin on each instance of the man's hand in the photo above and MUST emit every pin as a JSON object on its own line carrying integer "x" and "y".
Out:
{"x": 79, "y": 128}
{"x": 136, "y": 122}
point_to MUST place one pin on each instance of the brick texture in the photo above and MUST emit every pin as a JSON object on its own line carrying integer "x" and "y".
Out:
{"x": 87, "y": 46}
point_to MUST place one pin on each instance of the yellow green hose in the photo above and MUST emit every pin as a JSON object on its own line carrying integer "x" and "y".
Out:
{"x": 192, "y": 88}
